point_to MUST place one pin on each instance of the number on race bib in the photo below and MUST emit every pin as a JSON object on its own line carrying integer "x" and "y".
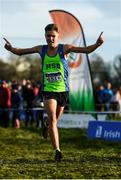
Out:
{"x": 53, "y": 77}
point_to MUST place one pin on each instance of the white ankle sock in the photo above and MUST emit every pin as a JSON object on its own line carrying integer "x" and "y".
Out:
{"x": 58, "y": 149}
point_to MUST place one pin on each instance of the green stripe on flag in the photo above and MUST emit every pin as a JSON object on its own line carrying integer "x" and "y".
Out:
{"x": 82, "y": 101}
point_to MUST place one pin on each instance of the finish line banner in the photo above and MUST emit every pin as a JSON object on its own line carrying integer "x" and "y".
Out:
{"x": 109, "y": 130}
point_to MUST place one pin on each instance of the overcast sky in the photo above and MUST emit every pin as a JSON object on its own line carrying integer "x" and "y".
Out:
{"x": 23, "y": 21}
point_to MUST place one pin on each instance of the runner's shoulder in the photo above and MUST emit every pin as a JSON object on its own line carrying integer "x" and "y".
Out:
{"x": 38, "y": 48}
{"x": 66, "y": 48}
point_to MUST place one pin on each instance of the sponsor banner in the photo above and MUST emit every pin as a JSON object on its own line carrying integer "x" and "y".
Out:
{"x": 76, "y": 120}
{"x": 109, "y": 130}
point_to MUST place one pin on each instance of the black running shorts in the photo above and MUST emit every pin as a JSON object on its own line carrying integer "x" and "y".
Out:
{"x": 60, "y": 97}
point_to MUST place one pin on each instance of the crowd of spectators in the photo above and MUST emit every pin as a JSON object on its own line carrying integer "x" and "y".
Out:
{"x": 26, "y": 95}
{"x": 108, "y": 98}
{"x": 15, "y": 97}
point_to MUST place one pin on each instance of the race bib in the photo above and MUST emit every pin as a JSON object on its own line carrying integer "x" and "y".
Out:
{"x": 53, "y": 77}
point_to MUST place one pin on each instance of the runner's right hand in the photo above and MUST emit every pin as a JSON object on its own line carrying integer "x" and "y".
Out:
{"x": 8, "y": 45}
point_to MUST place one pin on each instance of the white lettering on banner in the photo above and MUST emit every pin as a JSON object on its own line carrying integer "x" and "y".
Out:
{"x": 106, "y": 134}
{"x": 99, "y": 131}
{"x": 76, "y": 120}
{"x": 112, "y": 134}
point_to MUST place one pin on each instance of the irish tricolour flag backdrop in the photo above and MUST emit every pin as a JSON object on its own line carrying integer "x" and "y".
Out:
{"x": 81, "y": 96}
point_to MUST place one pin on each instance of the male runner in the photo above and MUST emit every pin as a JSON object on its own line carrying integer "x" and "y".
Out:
{"x": 54, "y": 76}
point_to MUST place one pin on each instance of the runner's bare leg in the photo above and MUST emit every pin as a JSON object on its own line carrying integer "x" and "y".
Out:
{"x": 53, "y": 114}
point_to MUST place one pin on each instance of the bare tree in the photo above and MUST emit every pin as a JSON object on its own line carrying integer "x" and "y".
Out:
{"x": 117, "y": 65}
{"x": 100, "y": 69}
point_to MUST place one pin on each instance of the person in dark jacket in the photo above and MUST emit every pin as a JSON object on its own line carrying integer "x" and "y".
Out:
{"x": 29, "y": 99}
{"x": 16, "y": 105}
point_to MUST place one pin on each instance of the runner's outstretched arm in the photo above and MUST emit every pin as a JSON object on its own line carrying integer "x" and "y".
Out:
{"x": 21, "y": 51}
{"x": 88, "y": 49}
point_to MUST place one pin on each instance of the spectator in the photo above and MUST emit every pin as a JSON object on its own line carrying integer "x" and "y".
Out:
{"x": 100, "y": 98}
{"x": 108, "y": 93}
{"x": 118, "y": 98}
{"x": 16, "y": 105}
{"x": 5, "y": 103}
{"x": 24, "y": 93}
{"x": 29, "y": 98}
{"x": 38, "y": 102}
{"x": 114, "y": 101}
{"x": 35, "y": 89}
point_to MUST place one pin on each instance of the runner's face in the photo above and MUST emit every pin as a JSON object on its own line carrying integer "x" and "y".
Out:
{"x": 52, "y": 38}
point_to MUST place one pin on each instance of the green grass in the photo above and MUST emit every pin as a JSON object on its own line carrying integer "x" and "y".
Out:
{"x": 25, "y": 154}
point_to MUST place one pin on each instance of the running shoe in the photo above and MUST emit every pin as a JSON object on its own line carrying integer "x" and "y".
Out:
{"x": 58, "y": 156}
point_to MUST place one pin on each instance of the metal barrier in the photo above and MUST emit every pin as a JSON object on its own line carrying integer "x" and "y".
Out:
{"x": 65, "y": 111}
